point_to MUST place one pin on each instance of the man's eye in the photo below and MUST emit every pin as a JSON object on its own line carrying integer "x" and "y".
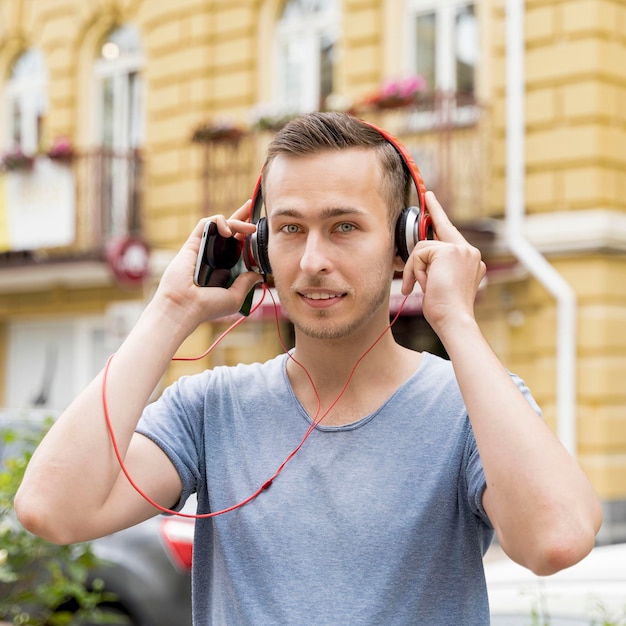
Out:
{"x": 345, "y": 227}
{"x": 290, "y": 228}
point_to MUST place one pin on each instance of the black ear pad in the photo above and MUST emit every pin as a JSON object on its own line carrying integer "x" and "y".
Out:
{"x": 404, "y": 248}
{"x": 255, "y": 256}
{"x": 258, "y": 245}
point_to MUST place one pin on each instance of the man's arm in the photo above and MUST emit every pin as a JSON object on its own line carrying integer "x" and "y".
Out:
{"x": 543, "y": 508}
{"x": 73, "y": 489}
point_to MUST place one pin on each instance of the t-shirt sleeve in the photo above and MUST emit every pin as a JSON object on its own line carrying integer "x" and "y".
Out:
{"x": 175, "y": 423}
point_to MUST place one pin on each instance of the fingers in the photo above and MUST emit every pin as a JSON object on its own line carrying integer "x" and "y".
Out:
{"x": 243, "y": 213}
{"x": 443, "y": 227}
{"x": 449, "y": 259}
{"x": 415, "y": 271}
{"x": 237, "y": 224}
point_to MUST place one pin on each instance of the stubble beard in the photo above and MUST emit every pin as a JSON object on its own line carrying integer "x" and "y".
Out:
{"x": 320, "y": 324}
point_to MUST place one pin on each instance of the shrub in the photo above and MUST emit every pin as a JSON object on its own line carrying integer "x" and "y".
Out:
{"x": 41, "y": 583}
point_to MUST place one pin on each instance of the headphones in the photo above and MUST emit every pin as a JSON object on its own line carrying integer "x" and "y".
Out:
{"x": 413, "y": 225}
{"x": 216, "y": 253}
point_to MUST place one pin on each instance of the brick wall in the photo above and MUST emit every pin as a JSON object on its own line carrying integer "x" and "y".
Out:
{"x": 211, "y": 59}
{"x": 575, "y": 161}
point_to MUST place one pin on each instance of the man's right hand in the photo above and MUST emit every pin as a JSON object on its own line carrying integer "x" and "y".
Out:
{"x": 189, "y": 305}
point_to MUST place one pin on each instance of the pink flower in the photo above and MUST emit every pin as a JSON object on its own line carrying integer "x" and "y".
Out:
{"x": 394, "y": 93}
{"x": 411, "y": 85}
{"x": 61, "y": 149}
{"x": 403, "y": 88}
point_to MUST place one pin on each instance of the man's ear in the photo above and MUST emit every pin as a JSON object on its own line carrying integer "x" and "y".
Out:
{"x": 398, "y": 263}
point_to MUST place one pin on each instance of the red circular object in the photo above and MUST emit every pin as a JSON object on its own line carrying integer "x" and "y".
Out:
{"x": 129, "y": 260}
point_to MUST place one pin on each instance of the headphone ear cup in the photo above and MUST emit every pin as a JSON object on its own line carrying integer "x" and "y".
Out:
{"x": 262, "y": 249}
{"x": 412, "y": 226}
{"x": 406, "y": 232}
{"x": 256, "y": 257}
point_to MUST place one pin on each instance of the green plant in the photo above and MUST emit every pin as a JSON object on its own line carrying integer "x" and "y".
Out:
{"x": 15, "y": 160}
{"x": 217, "y": 132}
{"x": 41, "y": 583}
{"x": 540, "y": 615}
{"x": 605, "y": 618}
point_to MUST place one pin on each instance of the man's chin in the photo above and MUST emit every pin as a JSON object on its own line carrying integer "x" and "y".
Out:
{"x": 323, "y": 327}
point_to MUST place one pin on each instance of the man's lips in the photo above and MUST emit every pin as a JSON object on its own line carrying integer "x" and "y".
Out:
{"x": 321, "y": 295}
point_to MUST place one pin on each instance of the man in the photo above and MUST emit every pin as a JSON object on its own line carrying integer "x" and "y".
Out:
{"x": 385, "y": 512}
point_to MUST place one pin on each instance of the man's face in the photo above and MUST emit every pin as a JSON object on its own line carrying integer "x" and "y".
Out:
{"x": 330, "y": 245}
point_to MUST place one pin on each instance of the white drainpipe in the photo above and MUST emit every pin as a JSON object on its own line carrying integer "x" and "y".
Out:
{"x": 528, "y": 255}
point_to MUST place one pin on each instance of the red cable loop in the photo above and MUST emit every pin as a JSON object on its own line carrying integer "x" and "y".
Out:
{"x": 315, "y": 421}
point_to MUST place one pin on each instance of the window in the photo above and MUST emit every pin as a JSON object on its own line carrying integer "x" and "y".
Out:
{"x": 120, "y": 90}
{"x": 306, "y": 51}
{"x": 119, "y": 127}
{"x": 26, "y": 102}
{"x": 443, "y": 37}
{"x": 49, "y": 362}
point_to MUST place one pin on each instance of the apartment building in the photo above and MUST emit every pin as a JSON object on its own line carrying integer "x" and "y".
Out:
{"x": 122, "y": 122}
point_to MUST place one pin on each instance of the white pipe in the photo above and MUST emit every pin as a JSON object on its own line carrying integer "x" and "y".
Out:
{"x": 528, "y": 255}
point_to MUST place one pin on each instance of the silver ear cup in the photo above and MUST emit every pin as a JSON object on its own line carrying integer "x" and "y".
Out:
{"x": 407, "y": 232}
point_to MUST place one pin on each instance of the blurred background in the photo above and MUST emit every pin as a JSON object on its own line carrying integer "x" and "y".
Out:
{"x": 123, "y": 122}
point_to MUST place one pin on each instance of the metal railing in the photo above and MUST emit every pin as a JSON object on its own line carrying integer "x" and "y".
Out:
{"x": 90, "y": 198}
{"x": 229, "y": 171}
{"x": 447, "y": 134}
{"x": 109, "y": 189}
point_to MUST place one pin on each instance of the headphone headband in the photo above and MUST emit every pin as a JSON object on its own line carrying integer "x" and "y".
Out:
{"x": 257, "y": 201}
{"x": 255, "y": 250}
{"x": 416, "y": 176}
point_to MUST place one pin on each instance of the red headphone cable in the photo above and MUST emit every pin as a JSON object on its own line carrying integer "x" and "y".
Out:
{"x": 315, "y": 421}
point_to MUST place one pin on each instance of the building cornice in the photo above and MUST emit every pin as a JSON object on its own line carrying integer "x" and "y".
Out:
{"x": 568, "y": 232}
{"x": 76, "y": 274}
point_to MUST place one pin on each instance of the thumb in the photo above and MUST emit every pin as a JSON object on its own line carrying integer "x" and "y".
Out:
{"x": 244, "y": 283}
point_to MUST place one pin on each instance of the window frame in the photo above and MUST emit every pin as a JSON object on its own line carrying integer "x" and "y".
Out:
{"x": 308, "y": 30}
{"x": 75, "y": 361}
{"x": 27, "y": 93}
{"x": 462, "y": 112}
{"x": 119, "y": 152}
{"x": 119, "y": 70}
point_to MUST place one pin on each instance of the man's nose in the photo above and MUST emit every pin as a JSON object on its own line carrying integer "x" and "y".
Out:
{"x": 315, "y": 257}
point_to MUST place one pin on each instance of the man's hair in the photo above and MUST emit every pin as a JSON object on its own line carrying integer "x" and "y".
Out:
{"x": 318, "y": 132}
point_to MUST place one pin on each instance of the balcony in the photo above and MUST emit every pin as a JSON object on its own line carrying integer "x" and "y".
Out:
{"x": 230, "y": 168}
{"x": 59, "y": 215}
{"x": 447, "y": 135}
{"x": 109, "y": 188}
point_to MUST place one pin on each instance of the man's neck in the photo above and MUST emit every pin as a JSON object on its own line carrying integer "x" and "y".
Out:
{"x": 346, "y": 379}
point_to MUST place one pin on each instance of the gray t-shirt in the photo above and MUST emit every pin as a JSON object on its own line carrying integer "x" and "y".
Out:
{"x": 378, "y": 522}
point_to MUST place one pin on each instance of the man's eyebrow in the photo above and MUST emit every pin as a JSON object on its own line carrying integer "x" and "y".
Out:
{"x": 330, "y": 212}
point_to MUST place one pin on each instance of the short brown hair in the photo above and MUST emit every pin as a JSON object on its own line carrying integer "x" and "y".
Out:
{"x": 320, "y": 131}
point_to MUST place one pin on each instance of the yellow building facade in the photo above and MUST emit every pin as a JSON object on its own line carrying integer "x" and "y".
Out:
{"x": 129, "y": 84}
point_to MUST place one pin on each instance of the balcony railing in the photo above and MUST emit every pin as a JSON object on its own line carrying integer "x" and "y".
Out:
{"x": 109, "y": 190}
{"x": 229, "y": 172}
{"x": 70, "y": 208}
{"x": 447, "y": 135}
